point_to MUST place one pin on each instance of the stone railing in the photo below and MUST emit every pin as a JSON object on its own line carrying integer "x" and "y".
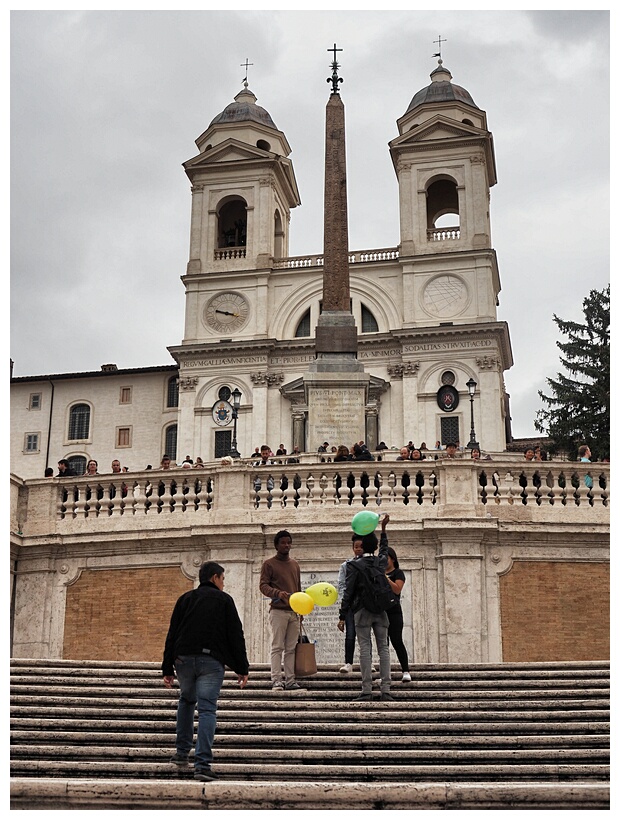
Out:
{"x": 441, "y": 234}
{"x": 443, "y": 489}
{"x": 378, "y": 255}
{"x": 229, "y": 253}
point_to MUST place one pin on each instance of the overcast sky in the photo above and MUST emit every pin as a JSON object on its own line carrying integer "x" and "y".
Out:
{"x": 106, "y": 105}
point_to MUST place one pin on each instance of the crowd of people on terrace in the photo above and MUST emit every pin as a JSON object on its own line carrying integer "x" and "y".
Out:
{"x": 358, "y": 451}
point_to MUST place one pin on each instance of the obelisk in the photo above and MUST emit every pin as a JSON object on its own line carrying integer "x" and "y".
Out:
{"x": 336, "y": 386}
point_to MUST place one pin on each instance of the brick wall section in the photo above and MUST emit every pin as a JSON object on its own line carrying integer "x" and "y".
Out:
{"x": 121, "y": 614}
{"x": 555, "y": 611}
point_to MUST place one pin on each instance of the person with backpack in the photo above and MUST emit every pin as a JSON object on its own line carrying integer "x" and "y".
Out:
{"x": 368, "y": 595}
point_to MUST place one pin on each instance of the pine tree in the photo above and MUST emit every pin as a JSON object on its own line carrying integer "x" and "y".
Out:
{"x": 578, "y": 407}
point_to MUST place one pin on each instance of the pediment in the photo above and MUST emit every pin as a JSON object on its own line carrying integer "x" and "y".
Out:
{"x": 436, "y": 129}
{"x": 231, "y": 150}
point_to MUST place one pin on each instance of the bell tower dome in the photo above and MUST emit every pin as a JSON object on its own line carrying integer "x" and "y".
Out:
{"x": 445, "y": 164}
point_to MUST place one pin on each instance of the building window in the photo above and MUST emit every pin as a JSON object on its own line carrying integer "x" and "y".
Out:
{"x": 170, "y": 446}
{"x": 223, "y": 443}
{"x": 35, "y": 401}
{"x": 31, "y": 444}
{"x": 224, "y": 393}
{"x": 448, "y": 377}
{"x": 173, "y": 392}
{"x": 450, "y": 430}
{"x": 303, "y": 328}
{"x": 369, "y": 323}
{"x": 125, "y": 397}
{"x": 79, "y": 422}
{"x": 123, "y": 436}
{"x": 77, "y": 464}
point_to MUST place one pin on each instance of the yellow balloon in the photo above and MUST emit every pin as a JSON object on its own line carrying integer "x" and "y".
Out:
{"x": 301, "y": 603}
{"x": 323, "y": 594}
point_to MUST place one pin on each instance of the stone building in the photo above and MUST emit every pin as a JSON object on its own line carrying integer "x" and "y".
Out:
{"x": 425, "y": 310}
{"x": 504, "y": 561}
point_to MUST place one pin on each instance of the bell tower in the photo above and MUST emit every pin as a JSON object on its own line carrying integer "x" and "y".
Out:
{"x": 243, "y": 189}
{"x": 445, "y": 164}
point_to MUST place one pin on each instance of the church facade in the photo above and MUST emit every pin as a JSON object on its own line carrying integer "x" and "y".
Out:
{"x": 426, "y": 310}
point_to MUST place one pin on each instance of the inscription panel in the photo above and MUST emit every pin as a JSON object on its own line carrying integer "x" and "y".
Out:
{"x": 335, "y": 415}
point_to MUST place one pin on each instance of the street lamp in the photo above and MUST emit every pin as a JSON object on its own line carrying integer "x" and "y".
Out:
{"x": 471, "y": 387}
{"x": 236, "y": 403}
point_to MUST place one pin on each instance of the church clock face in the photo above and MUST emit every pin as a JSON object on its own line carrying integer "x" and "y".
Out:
{"x": 226, "y": 312}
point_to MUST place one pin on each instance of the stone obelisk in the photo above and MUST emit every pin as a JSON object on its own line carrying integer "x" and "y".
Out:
{"x": 336, "y": 386}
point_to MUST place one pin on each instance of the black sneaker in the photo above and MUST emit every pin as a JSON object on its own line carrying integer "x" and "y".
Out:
{"x": 180, "y": 760}
{"x": 204, "y": 775}
{"x": 362, "y": 697}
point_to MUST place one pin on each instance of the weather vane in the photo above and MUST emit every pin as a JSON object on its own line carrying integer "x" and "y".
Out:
{"x": 335, "y": 79}
{"x": 439, "y": 41}
{"x": 245, "y": 65}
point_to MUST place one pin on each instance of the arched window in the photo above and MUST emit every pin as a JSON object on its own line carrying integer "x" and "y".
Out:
{"x": 232, "y": 224}
{"x": 79, "y": 422}
{"x": 170, "y": 446}
{"x": 442, "y": 198}
{"x": 278, "y": 236}
{"x": 77, "y": 464}
{"x": 303, "y": 328}
{"x": 369, "y": 323}
{"x": 173, "y": 392}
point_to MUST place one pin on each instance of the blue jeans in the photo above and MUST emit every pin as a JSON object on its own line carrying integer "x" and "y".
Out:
{"x": 200, "y": 680}
{"x": 366, "y": 621}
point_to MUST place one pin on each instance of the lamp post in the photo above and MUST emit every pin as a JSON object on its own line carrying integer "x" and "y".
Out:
{"x": 471, "y": 387}
{"x": 236, "y": 403}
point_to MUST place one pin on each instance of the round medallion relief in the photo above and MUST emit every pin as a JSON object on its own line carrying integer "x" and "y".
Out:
{"x": 445, "y": 296}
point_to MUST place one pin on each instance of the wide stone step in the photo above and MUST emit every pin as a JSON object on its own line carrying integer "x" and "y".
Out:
{"x": 423, "y": 772}
{"x": 308, "y": 754}
{"x": 367, "y": 723}
{"x": 135, "y": 693}
{"x": 61, "y": 794}
{"x": 264, "y": 741}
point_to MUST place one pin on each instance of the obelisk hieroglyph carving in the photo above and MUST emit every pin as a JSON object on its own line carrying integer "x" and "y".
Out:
{"x": 336, "y": 386}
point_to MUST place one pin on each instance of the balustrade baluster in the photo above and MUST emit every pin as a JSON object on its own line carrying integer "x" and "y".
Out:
{"x": 357, "y": 492}
{"x": 309, "y": 497}
{"x": 79, "y": 505}
{"x": 139, "y": 498}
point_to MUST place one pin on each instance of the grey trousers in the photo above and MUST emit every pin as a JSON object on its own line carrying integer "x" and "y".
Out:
{"x": 365, "y": 623}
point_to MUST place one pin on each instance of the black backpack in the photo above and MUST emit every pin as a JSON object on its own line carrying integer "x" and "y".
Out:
{"x": 374, "y": 590}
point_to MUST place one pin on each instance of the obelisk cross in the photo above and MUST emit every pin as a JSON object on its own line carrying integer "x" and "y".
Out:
{"x": 335, "y": 79}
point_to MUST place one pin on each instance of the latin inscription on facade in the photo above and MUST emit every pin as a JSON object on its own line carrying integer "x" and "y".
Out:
{"x": 431, "y": 346}
{"x": 225, "y": 360}
{"x": 335, "y": 415}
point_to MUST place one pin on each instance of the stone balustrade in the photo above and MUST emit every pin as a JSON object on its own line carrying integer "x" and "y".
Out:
{"x": 505, "y": 489}
{"x": 441, "y": 234}
{"x": 316, "y": 260}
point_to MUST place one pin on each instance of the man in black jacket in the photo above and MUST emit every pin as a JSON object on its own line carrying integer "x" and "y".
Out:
{"x": 205, "y": 635}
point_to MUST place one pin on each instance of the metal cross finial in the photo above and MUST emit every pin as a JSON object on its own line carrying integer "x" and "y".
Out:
{"x": 245, "y": 65}
{"x": 335, "y": 79}
{"x": 439, "y": 41}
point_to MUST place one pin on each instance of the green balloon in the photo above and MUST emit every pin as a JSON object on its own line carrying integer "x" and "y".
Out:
{"x": 364, "y": 522}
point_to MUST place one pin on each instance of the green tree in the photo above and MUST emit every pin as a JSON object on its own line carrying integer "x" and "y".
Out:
{"x": 577, "y": 409}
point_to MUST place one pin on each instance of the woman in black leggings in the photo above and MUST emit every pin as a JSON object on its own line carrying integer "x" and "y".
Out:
{"x": 396, "y": 577}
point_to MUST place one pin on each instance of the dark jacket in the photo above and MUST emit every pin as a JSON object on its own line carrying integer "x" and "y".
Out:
{"x": 206, "y": 618}
{"x": 351, "y": 599}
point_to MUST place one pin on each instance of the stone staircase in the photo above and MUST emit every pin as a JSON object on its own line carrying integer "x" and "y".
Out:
{"x": 99, "y": 735}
